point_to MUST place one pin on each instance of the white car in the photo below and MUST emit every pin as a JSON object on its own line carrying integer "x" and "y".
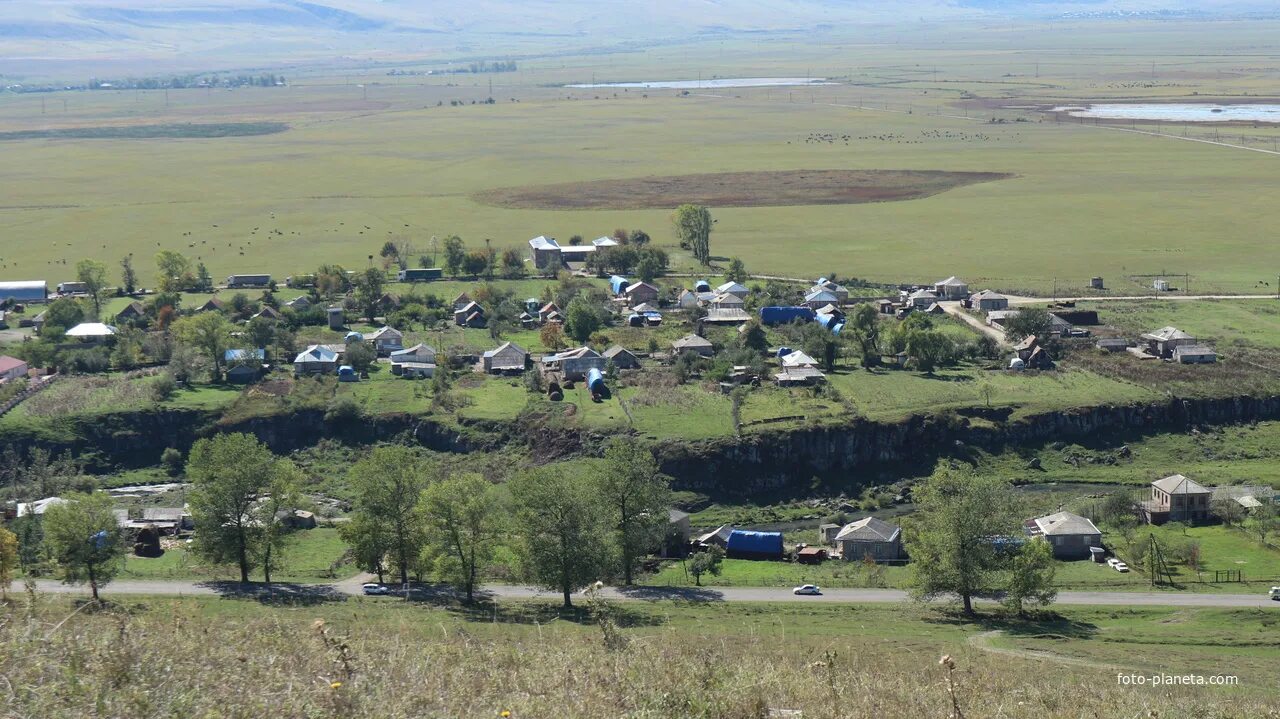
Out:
{"x": 808, "y": 590}
{"x": 1113, "y": 561}
{"x": 372, "y": 589}
{"x": 1120, "y": 567}
{"x": 1274, "y": 593}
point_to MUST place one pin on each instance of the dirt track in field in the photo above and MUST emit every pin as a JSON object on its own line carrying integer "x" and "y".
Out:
{"x": 738, "y": 189}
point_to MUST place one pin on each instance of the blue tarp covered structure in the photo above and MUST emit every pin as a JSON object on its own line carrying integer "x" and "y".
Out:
{"x": 745, "y": 544}
{"x": 618, "y": 284}
{"x": 702, "y": 286}
{"x": 771, "y": 316}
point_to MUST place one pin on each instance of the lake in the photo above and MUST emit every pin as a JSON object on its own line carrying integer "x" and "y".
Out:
{"x": 1176, "y": 112}
{"x": 712, "y": 84}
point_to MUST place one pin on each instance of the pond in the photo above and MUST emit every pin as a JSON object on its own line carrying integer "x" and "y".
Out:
{"x": 1176, "y": 112}
{"x": 711, "y": 84}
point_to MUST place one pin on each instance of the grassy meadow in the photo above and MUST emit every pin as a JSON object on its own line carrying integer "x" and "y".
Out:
{"x": 391, "y": 159}
{"x": 348, "y": 657}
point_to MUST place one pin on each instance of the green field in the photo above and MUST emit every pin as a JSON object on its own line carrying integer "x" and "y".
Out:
{"x": 360, "y": 165}
{"x": 311, "y": 555}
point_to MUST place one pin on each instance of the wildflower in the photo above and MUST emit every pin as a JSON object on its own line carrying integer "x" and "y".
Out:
{"x": 504, "y": 714}
{"x": 335, "y": 685}
{"x": 947, "y": 661}
{"x": 318, "y": 624}
{"x": 599, "y": 585}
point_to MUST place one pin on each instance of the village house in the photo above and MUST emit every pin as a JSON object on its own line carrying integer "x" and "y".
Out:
{"x": 726, "y": 301}
{"x": 869, "y": 537}
{"x": 213, "y": 304}
{"x": 507, "y": 358}
{"x": 621, "y": 357}
{"x": 1249, "y": 496}
{"x": 12, "y": 368}
{"x": 718, "y": 537}
{"x": 1113, "y": 344}
{"x": 91, "y": 333}
{"x": 820, "y": 298}
{"x": 921, "y": 299}
{"x": 1162, "y": 342}
{"x": 178, "y": 516}
{"x": 462, "y": 300}
{"x": 695, "y": 344}
{"x": 1176, "y": 499}
{"x": 301, "y": 302}
{"x": 797, "y": 359}
{"x": 270, "y": 313}
{"x": 386, "y": 340}
{"x": 545, "y": 253}
{"x": 416, "y": 361}
{"x": 733, "y": 288}
{"x": 549, "y": 313}
{"x": 641, "y": 292}
{"x": 527, "y": 321}
{"x": 841, "y": 292}
{"x": 687, "y": 300}
{"x": 886, "y": 307}
{"x": 827, "y": 534}
{"x": 575, "y": 363}
{"x": 986, "y": 301}
{"x": 793, "y": 376}
{"x": 133, "y": 311}
{"x": 469, "y": 315}
{"x": 1070, "y": 535}
{"x": 316, "y": 359}
{"x": 951, "y": 288}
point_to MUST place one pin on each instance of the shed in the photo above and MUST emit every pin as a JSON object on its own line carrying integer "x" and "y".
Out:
{"x": 420, "y": 353}
{"x": 773, "y": 316}
{"x": 718, "y": 537}
{"x": 133, "y": 311}
{"x": 270, "y": 313}
{"x": 621, "y": 357}
{"x": 1113, "y": 344}
{"x": 641, "y": 292}
{"x": 618, "y": 284}
{"x": 745, "y": 544}
{"x": 25, "y": 291}
{"x": 687, "y": 300}
{"x": 886, "y": 307}
{"x": 1194, "y": 354}
{"x": 811, "y": 555}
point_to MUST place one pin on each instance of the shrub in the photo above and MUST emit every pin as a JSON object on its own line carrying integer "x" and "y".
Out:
{"x": 163, "y": 387}
{"x": 343, "y": 410}
{"x": 172, "y": 461}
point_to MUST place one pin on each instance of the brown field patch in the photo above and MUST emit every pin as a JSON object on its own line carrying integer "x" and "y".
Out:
{"x": 738, "y": 189}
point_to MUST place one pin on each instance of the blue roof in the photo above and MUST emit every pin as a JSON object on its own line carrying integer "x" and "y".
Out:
{"x": 741, "y": 540}
{"x": 26, "y": 291}
{"x": 243, "y": 355}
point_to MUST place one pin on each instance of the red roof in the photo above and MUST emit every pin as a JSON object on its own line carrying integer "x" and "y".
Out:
{"x": 8, "y": 363}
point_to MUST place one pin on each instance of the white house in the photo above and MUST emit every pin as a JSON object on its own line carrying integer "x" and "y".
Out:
{"x": 91, "y": 332}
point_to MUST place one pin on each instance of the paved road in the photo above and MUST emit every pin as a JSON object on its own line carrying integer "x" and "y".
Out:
{"x": 699, "y": 594}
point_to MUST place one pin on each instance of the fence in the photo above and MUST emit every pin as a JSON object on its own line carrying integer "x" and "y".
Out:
{"x": 33, "y": 387}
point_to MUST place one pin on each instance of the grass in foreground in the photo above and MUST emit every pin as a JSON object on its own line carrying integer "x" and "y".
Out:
{"x": 386, "y": 658}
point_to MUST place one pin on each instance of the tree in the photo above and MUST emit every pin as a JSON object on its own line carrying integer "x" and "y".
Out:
{"x": 1026, "y": 322}
{"x": 754, "y": 338}
{"x": 83, "y": 538}
{"x": 1030, "y": 577}
{"x": 863, "y": 327}
{"x": 369, "y": 544}
{"x": 94, "y": 276}
{"x": 929, "y": 348}
{"x": 8, "y": 560}
{"x": 128, "y": 278}
{"x": 228, "y": 473}
{"x": 361, "y": 356}
{"x": 1264, "y": 521}
{"x": 171, "y": 269}
{"x": 463, "y": 525}
{"x": 455, "y": 252}
{"x": 639, "y": 238}
{"x": 261, "y": 332}
{"x": 707, "y": 562}
{"x": 207, "y": 332}
{"x": 648, "y": 267}
{"x": 512, "y": 264}
{"x": 204, "y": 280}
{"x": 369, "y": 290}
{"x": 581, "y": 319}
{"x": 560, "y": 514}
{"x": 693, "y": 229}
{"x": 475, "y": 262}
{"x": 387, "y": 485}
{"x": 950, "y": 540}
{"x": 552, "y": 336}
{"x": 1228, "y": 511}
{"x": 65, "y": 313}
{"x": 271, "y": 513}
{"x": 737, "y": 272}
{"x": 637, "y": 497}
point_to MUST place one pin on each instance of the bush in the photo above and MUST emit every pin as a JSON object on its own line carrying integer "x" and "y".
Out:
{"x": 172, "y": 461}
{"x": 163, "y": 387}
{"x": 343, "y": 410}
{"x": 87, "y": 361}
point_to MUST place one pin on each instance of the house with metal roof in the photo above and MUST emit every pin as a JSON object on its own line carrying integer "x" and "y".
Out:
{"x": 25, "y": 291}
{"x": 986, "y": 301}
{"x": 545, "y": 253}
{"x": 507, "y": 358}
{"x": 921, "y": 299}
{"x": 1164, "y": 341}
{"x": 386, "y": 340}
{"x": 316, "y": 359}
{"x": 91, "y": 332}
{"x": 641, "y": 292}
{"x": 1194, "y": 354}
{"x": 12, "y": 368}
{"x": 820, "y": 298}
{"x": 621, "y": 357}
{"x": 1070, "y": 535}
{"x": 733, "y": 288}
{"x": 952, "y": 288}
{"x": 1176, "y": 499}
{"x": 575, "y": 363}
{"x": 869, "y": 537}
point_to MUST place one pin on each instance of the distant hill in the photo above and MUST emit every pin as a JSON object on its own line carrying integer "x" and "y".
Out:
{"x": 203, "y": 34}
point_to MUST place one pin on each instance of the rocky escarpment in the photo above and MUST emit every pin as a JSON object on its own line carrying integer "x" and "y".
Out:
{"x": 763, "y": 461}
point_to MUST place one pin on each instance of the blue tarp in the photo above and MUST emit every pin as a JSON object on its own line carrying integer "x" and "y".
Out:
{"x": 618, "y": 284}
{"x": 595, "y": 381}
{"x": 702, "y": 286}
{"x": 757, "y": 544}
{"x": 784, "y": 351}
{"x": 784, "y": 315}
